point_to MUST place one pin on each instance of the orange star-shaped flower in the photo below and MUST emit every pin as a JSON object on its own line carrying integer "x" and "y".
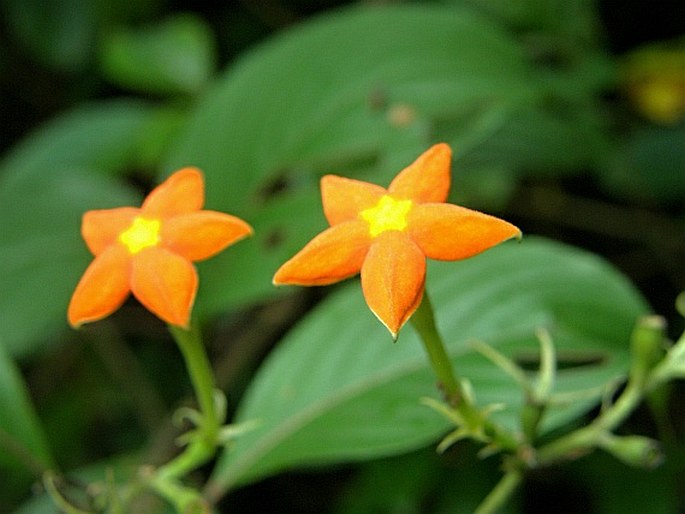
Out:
{"x": 149, "y": 251}
{"x": 387, "y": 234}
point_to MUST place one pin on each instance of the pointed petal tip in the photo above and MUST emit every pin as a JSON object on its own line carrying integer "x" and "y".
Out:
{"x": 188, "y": 172}
{"x": 183, "y": 191}
{"x": 197, "y": 236}
{"x": 394, "y": 331}
{"x": 441, "y": 147}
{"x": 393, "y": 279}
{"x": 280, "y": 277}
{"x": 248, "y": 232}
{"x": 516, "y": 234}
{"x": 75, "y": 323}
{"x": 80, "y": 314}
{"x": 428, "y": 178}
{"x": 283, "y": 277}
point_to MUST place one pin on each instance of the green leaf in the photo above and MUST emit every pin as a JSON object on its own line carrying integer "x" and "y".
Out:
{"x": 41, "y": 251}
{"x": 173, "y": 56}
{"x": 102, "y": 137}
{"x": 58, "y": 34}
{"x": 46, "y": 183}
{"x": 615, "y": 488}
{"x": 651, "y": 164}
{"x": 576, "y": 20}
{"x": 337, "y": 389}
{"x": 422, "y": 481}
{"x": 22, "y": 442}
{"x": 230, "y": 278}
{"x": 338, "y": 95}
{"x": 542, "y": 141}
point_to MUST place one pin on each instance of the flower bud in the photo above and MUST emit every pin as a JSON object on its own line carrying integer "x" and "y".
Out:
{"x": 646, "y": 345}
{"x": 634, "y": 450}
{"x": 680, "y": 304}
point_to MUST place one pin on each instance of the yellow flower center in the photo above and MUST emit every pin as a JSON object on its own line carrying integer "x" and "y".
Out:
{"x": 142, "y": 234}
{"x": 387, "y": 214}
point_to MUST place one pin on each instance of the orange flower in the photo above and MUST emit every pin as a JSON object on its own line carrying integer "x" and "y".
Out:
{"x": 149, "y": 251}
{"x": 387, "y": 234}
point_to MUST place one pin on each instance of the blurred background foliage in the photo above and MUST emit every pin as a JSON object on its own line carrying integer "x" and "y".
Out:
{"x": 566, "y": 117}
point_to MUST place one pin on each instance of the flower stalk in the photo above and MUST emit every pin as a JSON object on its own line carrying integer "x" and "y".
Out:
{"x": 501, "y": 493}
{"x": 423, "y": 322}
{"x": 475, "y": 422}
{"x": 204, "y": 440}
{"x": 201, "y": 376}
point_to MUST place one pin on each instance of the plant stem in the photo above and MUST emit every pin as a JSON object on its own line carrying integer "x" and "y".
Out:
{"x": 500, "y": 493}
{"x": 201, "y": 375}
{"x": 51, "y": 487}
{"x": 474, "y": 420}
{"x": 423, "y": 321}
{"x": 185, "y": 499}
{"x": 585, "y": 438}
{"x": 203, "y": 444}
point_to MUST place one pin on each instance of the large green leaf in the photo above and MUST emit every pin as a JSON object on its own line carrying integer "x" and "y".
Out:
{"x": 422, "y": 481}
{"x": 41, "y": 251}
{"x": 651, "y": 164}
{"x": 355, "y": 92}
{"x": 282, "y": 224}
{"x": 615, "y": 488}
{"x": 173, "y": 56}
{"x": 57, "y": 34}
{"x": 46, "y": 183}
{"x": 337, "y": 389}
{"x": 22, "y": 442}
{"x": 103, "y": 137}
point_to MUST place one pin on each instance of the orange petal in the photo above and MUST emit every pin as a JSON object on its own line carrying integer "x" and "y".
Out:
{"x": 182, "y": 192}
{"x": 428, "y": 178}
{"x": 102, "y": 289}
{"x": 101, "y": 228}
{"x": 344, "y": 198}
{"x": 165, "y": 283}
{"x": 449, "y": 232}
{"x": 393, "y": 278}
{"x": 335, "y": 254}
{"x": 199, "y": 235}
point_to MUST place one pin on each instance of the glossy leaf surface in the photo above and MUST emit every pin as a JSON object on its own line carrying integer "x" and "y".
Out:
{"x": 337, "y": 389}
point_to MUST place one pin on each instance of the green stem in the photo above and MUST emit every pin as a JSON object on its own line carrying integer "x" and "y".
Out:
{"x": 193, "y": 456}
{"x": 51, "y": 488}
{"x": 476, "y": 422}
{"x": 201, "y": 376}
{"x": 204, "y": 442}
{"x": 501, "y": 493}
{"x": 185, "y": 499}
{"x": 423, "y": 321}
{"x": 584, "y": 439}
